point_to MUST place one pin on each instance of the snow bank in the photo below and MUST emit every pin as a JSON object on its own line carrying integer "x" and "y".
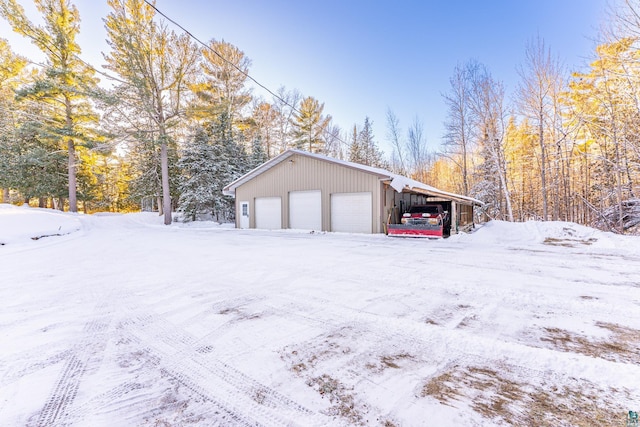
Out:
{"x": 23, "y": 223}
{"x": 552, "y": 233}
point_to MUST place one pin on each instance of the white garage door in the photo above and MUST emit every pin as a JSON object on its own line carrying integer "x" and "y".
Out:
{"x": 351, "y": 212}
{"x": 305, "y": 210}
{"x": 268, "y": 213}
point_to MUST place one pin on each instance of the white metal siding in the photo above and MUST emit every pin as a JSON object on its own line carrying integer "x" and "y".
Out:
{"x": 268, "y": 213}
{"x": 351, "y": 212}
{"x": 305, "y": 210}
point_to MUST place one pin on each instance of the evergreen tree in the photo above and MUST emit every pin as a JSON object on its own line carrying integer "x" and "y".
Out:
{"x": 364, "y": 149}
{"x": 199, "y": 177}
{"x": 154, "y": 64}
{"x": 309, "y": 125}
{"x": 356, "y": 152}
{"x": 258, "y": 155}
{"x": 11, "y": 68}
{"x": 221, "y": 88}
{"x": 35, "y": 167}
{"x": 67, "y": 81}
{"x": 210, "y": 160}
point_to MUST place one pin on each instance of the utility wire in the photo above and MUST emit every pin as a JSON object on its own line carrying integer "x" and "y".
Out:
{"x": 187, "y": 32}
{"x": 206, "y": 46}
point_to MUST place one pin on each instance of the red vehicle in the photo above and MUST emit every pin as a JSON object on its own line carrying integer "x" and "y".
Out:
{"x": 428, "y": 220}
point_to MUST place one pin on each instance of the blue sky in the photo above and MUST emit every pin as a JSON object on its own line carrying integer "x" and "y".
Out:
{"x": 361, "y": 58}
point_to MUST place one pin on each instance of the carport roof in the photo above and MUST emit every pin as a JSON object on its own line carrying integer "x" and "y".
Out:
{"x": 399, "y": 183}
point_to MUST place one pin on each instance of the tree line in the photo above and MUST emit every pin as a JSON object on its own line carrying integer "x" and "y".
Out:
{"x": 178, "y": 122}
{"x": 566, "y": 146}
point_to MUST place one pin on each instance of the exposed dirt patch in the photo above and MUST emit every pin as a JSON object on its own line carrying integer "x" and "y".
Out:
{"x": 623, "y": 345}
{"x": 341, "y": 398}
{"x": 315, "y": 361}
{"x": 393, "y": 361}
{"x": 568, "y": 243}
{"x": 441, "y": 387}
{"x": 467, "y": 321}
{"x": 238, "y": 314}
{"x": 47, "y": 235}
{"x": 307, "y": 356}
{"x": 517, "y": 402}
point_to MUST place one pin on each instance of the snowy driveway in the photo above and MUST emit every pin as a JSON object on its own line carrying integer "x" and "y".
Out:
{"x": 130, "y": 323}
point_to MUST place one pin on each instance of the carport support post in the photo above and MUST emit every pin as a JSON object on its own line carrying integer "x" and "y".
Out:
{"x": 454, "y": 218}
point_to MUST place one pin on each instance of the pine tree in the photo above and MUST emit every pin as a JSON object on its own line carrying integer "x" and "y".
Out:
{"x": 155, "y": 65}
{"x": 363, "y": 148}
{"x": 356, "y": 151}
{"x": 199, "y": 176}
{"x": 11, "y": 68}
{"x": 232, "y": 162}
{"x": 258, "y": 155}
{"x": 221, "y": 87}
{"x": 67, "y": 81}
{"x": 309, "y": 125}
{"x": 37, "y": 169}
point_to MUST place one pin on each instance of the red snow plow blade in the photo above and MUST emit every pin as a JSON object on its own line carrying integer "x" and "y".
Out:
{"x": 406, "y": 230}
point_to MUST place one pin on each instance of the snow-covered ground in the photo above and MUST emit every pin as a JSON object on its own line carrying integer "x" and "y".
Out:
{"x": 116, "y": 320}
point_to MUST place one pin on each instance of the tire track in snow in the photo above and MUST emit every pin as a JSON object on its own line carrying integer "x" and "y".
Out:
{"x": 180, "y": 356}
{"x": 441, "y": 344}
{"x": 63, "y": 393}
{"x": 83, "y": 357}
{"x": 13, "y": 374}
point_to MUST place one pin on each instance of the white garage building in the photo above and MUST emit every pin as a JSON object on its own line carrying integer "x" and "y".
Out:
{"x": 302, "y": 190}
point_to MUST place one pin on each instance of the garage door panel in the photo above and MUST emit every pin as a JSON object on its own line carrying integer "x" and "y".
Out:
{"x": 351, "y": 212}
{"x": 305, "y": 210}
{"x": 268, "y": 213}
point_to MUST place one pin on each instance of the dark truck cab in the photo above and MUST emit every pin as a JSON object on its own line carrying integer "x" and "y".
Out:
{"x": 425, "y": 220}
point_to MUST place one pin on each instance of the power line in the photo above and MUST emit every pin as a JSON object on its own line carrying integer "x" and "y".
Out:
{"x": 206, "y": 46}
{"x": 220, "y": 56}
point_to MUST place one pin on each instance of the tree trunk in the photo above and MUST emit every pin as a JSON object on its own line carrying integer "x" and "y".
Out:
{"x": 166, "y": 193}
{"x": 543, "y": 168}
{"x": 465, "y": 171}
{"x": 503, "y": 183}
{"x": 71, "y": 148}
{"x": 5, "y": 196}
{"x": 73, "y": 203}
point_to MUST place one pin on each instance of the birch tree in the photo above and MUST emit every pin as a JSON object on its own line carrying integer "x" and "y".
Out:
{"x": 398, "y": 162}
{"x": 537, "y": 99}
{"x": 487, "y": 106}
{"x": 458, "y": 144}
{"x": 417, "y": 151}
{"x": 285, "y": 105}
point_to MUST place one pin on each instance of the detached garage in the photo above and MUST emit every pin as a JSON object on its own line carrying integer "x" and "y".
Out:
{"x": 306, "y": 191}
